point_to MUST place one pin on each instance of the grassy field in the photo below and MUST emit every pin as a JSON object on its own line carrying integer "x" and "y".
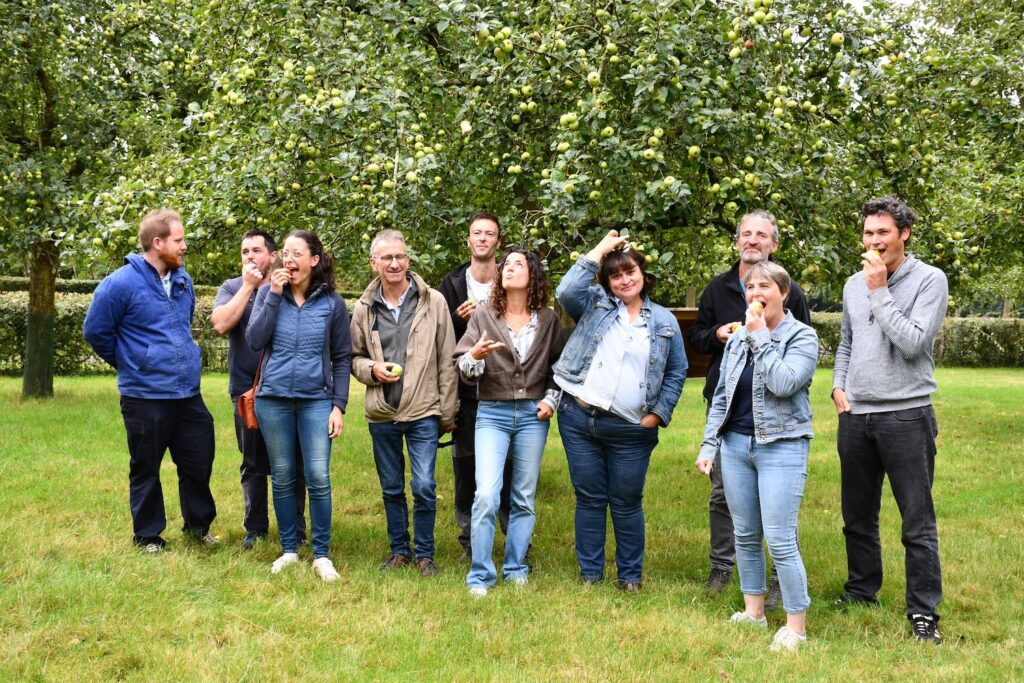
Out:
{"x": 77, "y": 603}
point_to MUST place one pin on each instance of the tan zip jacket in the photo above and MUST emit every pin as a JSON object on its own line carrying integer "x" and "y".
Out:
{"x": 430, "y": 379}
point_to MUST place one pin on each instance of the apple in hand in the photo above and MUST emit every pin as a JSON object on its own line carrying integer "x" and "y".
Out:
{"x": 396, "y": 370}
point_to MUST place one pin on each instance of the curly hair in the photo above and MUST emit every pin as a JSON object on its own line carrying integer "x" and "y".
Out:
{"x": 890, "y": 205}
{"x": 536, "y": 290}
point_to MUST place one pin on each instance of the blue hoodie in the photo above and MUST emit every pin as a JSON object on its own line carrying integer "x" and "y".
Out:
{"x": 143, "y": 334}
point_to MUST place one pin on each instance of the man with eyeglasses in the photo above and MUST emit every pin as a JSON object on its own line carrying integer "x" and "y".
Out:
{"x": 402, "y": 345}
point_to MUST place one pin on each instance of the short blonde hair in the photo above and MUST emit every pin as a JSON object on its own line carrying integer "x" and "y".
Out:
{"x": 769, "y": 270}
{"x": 156, "y": 223}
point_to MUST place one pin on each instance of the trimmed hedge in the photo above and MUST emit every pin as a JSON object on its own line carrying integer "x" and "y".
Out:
{"x": 975, "y": 342}
{"x": 20, "y": 284}
{"x": 964, "y": 342}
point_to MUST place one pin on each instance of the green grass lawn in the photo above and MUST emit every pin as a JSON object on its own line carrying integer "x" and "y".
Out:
{"x": 77, "y": 603}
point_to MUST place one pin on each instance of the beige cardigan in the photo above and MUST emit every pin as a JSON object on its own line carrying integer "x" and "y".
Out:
{"x": 505, "y": 378}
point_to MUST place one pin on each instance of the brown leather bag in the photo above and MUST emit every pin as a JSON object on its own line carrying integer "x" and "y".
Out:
{"x": 247, "y": 401}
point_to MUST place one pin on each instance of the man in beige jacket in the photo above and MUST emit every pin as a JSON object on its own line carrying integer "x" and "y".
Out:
{"x": 402, "y": 344}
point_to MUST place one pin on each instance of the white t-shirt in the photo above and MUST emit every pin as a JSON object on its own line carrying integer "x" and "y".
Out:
{"x": 478, "y": 290}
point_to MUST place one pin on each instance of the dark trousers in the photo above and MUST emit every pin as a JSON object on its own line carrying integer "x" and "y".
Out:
{"x": 255, "y": 469}
{"x": 900, "y": 444}
{"x": 185, "y": 427}
{"x": 464, "y": 469}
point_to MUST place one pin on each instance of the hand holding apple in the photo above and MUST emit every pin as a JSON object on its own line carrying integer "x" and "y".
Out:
{"x": 875, "y": 274}
{"x": 251, "y": 275}
{"x": 466, "y": 308}
{"x": 278, "y": 279}
{"x": 755, "y": 317}
{"x": 383, "y": 373}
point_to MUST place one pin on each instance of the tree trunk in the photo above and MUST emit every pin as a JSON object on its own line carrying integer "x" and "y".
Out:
{"x": 1007, "y": 307}
{"x": 38, "y": 370}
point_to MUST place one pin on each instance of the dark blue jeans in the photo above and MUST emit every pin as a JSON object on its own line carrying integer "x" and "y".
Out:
{"x": 900, "y": 444}
{"x": 420, "y": 437}
{"x": 608, "y": 459}
{"x": 286, "y": 422}
{"x": 185, "y": 427}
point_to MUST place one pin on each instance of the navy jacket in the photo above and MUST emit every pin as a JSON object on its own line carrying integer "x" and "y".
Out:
{"x": 309, "y": 347}
{"x": 143, "y": 334}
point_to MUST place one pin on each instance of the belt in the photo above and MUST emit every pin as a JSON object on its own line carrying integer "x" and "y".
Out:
{"x": 593, "y": 409}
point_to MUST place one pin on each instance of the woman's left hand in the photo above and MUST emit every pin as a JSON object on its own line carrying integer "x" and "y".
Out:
{"x": 544, "y": 411}
{"x": 335, "y": 423}
{"x": 650, "y": 421}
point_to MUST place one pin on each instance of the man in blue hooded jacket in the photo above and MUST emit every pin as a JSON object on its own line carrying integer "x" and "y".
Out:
{"x": 140, "y": 321}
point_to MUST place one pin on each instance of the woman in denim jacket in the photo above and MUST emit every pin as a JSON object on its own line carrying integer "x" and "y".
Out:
{"x": 621, "y": 373}
{"x": 760, "y": 418}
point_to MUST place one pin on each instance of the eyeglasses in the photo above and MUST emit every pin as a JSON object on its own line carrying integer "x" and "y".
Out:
{"x": 394, "y": 258}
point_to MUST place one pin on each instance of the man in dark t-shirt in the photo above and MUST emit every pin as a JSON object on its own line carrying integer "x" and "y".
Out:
{"x": 230, "y": 316}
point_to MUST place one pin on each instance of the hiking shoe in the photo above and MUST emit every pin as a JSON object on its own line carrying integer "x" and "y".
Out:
{"x": 786, "y": 639}
{"x": 718, "y": 579}
{"x": 925, "y": 628}
{"x": 251, "y": 539}
{"x": 749, "y": 619}
{"x": 283, "y": 561}
{"x": 773, "y": 601}
{"x": 426, "y": 567}
{"x": 324, "y": 568}
{"x": 847, "y": 600}
{"x": 396, "y": 561}
{"x": 478, "y": 592}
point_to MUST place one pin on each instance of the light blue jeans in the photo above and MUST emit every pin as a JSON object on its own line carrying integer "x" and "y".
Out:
{"x": 499, "y": 423}
{"x": 282, "y": 421}
{"x": 763, "y": 486}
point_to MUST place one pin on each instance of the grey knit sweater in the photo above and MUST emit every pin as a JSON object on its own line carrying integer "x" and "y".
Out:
{"x": 884, "y": 360}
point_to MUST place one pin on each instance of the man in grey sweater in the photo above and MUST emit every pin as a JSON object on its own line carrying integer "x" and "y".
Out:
{"x": 882, "y": 386}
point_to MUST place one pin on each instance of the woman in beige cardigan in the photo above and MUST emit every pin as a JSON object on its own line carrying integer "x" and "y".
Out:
{"x": 508, "y": 350}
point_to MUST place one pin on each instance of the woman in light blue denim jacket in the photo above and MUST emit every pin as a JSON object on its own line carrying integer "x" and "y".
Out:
{"x": 621, "y": 373}
{"x": 760, "y": 418}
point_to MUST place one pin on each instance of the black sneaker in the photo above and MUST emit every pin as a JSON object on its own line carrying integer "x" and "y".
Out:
{"x": 773, "y": 601}
{"x": 847, "y": 600}
{"x": 718, "y": 579}
{"x": 251, "y": 539}
{"x": 926, "y": 628}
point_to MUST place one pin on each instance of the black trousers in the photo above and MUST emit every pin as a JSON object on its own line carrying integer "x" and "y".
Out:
{"x": 185, "y": 427}
{"x": 464, "y": 469}
{"x": 254, "y": 470}
{"x": 901, "y": 445}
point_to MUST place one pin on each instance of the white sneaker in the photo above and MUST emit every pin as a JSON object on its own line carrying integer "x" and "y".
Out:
{"x": 518, "y": 581}
{"x": 478, "y": 592}
{"x": 786, "y": 639}
{"x": 283, "y": 561}
{"x": 745, "y": 618}
{"x": 324, "y": 568}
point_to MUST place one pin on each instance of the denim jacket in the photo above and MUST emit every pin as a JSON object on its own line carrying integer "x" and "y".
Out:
{"x": 784, "y": 363}
{"x": 594, "y": 311}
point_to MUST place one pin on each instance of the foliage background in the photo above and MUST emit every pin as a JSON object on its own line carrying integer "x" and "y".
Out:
{"x": 667, "y": 117}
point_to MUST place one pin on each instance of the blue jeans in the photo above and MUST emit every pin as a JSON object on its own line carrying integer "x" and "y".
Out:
{"x": 282, "y": 420}
{"x": 608, "y": 459}
{"x": 421, "y": 439}
{"x": 500, "y": 424}
{"x": 763, "y": 486}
